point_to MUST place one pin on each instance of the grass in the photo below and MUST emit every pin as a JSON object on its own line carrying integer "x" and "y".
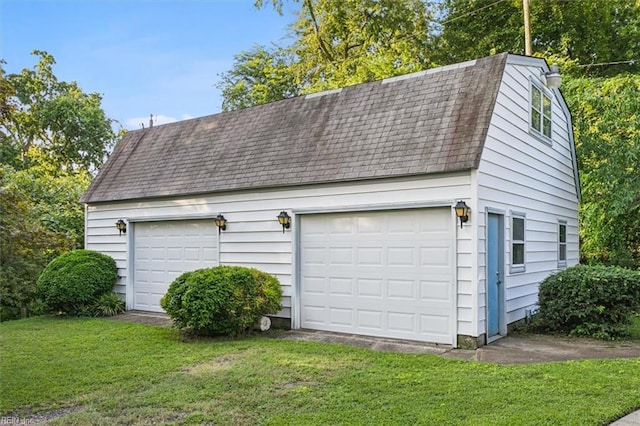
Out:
{"x": 118, "y": 373}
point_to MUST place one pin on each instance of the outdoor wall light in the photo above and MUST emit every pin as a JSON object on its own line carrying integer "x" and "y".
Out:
{"x": 285, "y": 220}
{"x": 121, "y": 226}
{"x": 221, "y": 223}
{"x": 554, "y": 79}
{"x": 462, "y": 212}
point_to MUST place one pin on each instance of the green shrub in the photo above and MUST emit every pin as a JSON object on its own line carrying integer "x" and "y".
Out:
{"x": 73, "y": 281}
{"x": 221, "y": 300}
{"x": 594, "y": 301}
{"x": 108, "y": 305}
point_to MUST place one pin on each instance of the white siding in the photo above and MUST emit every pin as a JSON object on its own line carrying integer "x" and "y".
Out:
{"x": 521, "y": 173}
{"x": 254, "y": 238}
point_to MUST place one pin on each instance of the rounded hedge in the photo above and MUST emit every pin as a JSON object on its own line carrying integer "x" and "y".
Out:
{"x": 221, "y": 300}
{"x": 75, "y": 279}
{"x": 594, "y": 301}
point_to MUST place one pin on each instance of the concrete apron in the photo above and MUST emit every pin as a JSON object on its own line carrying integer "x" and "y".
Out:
{"x": 509, "y": 350}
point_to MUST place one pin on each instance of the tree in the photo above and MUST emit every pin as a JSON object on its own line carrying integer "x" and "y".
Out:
{"x": 258, "y": 76}
{"x": 588, "y": 31}
{"x": 606, "y": 123}
{"x": 471, "y": 29}
{"x": 344, "y": 42}
{"x": 40, "y": 218}
{"x": 55, "y": 118}
{"x": 53, "y": 136}
{"x": 335, "y": 43}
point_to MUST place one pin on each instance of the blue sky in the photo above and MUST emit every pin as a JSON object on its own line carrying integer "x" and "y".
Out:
{"x": 144, "y": 57}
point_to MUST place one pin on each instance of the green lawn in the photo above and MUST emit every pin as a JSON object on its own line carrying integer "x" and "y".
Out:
{"x": 118, "y": 373}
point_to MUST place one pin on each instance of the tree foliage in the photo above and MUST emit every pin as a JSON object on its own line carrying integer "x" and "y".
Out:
{"x": 40, "y": 218}
{"x": 606, "y": 119}
{"x": 258, "y": 76}
{"x": 44, "y": 116}
{"x": 53, "y": 136}
{"x": 344, "y": 42}
{"x": 587, "y": 31}
{"x": 336, "y": 43}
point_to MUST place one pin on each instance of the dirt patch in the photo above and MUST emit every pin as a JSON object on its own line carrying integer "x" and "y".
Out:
{"x": 223, "y": 362}
{"x": 31, "y": 418}
{"x": 148, "y": 318}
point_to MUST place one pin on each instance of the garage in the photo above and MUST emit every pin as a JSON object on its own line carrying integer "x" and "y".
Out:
{"x": 163, "y": 251}
{"x": 379, "y": 273}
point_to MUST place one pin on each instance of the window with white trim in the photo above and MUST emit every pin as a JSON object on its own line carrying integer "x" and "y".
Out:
{"x": 517, "y": 243}
{"x": 540, "y": 111}
{"x": 562, "y": 243}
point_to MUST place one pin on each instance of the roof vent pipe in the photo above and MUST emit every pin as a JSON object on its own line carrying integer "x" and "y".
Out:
{"x": 150, "y": 120}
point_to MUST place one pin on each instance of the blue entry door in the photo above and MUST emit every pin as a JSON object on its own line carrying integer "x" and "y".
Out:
{"x": 494, "y": 258}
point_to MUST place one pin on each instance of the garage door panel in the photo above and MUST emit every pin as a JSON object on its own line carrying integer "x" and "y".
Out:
{"x": 314, "y": 285}
{"x": 315, "y": 315}
{"x": 401, "y": 289}
{"x": 341, "y": 317}
{"x": 401, "y": 321}
{"x": 386, "y": 274}
{"x": 165, "y": 250}
{"x": 340, "y": 256}
{"x": 370, "y": 287}
{"x": 369, "y": 225}
{"x": 369, "y": 319}
{"x": 369, "y": 256}
{"x": 435, "y": 256}
{"x": 314, "y": 256}
{"x": 342, "y": 226}
{"x": 435, "y": 291}
{"x": 401, "y": 256}
{"x": 435, "y": 324}
{"x": 340, "y": 286}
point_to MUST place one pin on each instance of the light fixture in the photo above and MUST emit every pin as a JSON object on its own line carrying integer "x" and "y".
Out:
{"x": 554, "y": 79}
{"x": 285, "y": 220}
{"x": 462, "y": 212}
{"x": 221, "y": 223}
{"x": 121, "y": 226}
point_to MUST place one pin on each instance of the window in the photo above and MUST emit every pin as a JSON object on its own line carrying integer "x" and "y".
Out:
{"x": 540, "y": 112}
{"x": 517, "y": 243}
{"x": 562, "y": 243}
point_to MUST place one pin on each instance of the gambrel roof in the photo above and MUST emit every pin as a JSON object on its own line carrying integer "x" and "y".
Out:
{"x": 428, "y": 122}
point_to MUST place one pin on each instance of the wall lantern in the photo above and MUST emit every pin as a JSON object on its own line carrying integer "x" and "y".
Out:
{"x": 221, "y": 223}
{"x": 462, "y": 212}
{"x": 121, "y": 226}
{"x": 554, "y": 79}
{"x": 285, "y": 220}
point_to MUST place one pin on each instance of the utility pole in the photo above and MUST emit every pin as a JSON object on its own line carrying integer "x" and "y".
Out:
{"x": 527, "y": 27}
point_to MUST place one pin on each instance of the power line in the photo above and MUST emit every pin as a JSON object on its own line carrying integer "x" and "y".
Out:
{"x": 471, "y": 13}
{"x": 630, "y": 62}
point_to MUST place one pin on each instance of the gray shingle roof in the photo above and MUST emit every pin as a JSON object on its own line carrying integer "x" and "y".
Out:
{"x": 428, "y": 122}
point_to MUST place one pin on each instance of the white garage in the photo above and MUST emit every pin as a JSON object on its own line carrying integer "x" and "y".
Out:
{"x": 379, "y": 273}
{"x": 163, "y": 251}
{"x": 347, "y": 196}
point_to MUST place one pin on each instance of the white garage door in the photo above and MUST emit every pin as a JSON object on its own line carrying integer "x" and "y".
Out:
{"x": 386, "y": 274}
{"x": 164, "y": 250}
